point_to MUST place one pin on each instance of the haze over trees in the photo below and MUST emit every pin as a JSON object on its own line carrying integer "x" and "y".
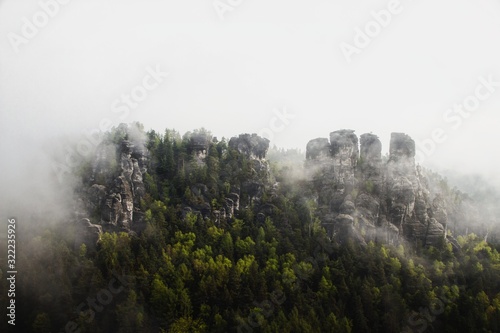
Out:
{"x": 176, "y": 232}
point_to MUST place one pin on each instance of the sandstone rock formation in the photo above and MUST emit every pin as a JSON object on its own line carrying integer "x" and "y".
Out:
{"x": 199, "y": 145}
{"x": 88, "y": 234}
{"x": 117, "y": 185}
{"x": 371, "y": 159}
{"x": 358, "y": 194}
{"x": 251, "y": 145}
{"x": 254, "y": 148}
{"x": 318, "y": 149}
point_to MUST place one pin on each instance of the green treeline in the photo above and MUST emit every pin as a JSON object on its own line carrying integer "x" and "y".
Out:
{"x": 186, "y": 273}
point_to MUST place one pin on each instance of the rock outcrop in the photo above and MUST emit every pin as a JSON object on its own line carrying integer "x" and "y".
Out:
{"x": 357, "y": 192}
{"x": 318, "y": 149}
{"x": 251, "y": 145}
{"x": 254, "y": 149}
{"x": 199, "y": 144}
{"x": 370, "y": 161}
{"x": 345, "y": 154}
{"x": 117, "y": 185}
{"x": 88, "y": 234}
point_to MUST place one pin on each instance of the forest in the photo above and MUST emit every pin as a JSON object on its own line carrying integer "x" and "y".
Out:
{"x": 191, "y": 256}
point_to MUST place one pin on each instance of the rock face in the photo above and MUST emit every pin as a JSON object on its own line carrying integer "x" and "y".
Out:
{"x": 118, "y": 185}
{"x": 359, "y": 195}
{"x": 371, "y": 158}
{"x": 345, "y": 154}
{"x": 318, "y": 149}
{"x": 88, "y": 234}
{"x": 251, "y": 145}
{"x": 254, "y": 148}
{"x": 250, "y": 172}
{"x": 199, "y": 145}
{"x": 199, "y": 141}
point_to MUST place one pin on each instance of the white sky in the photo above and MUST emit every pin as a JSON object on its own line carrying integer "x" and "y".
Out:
{"x": 228, "y": 75}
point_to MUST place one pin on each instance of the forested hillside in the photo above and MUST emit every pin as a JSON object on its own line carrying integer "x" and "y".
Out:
{"x": 192, "y": 233}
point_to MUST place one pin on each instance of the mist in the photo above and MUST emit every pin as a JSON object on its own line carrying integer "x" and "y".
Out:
{"x": 94, "y": 65}
{"x": 290, "y": 71}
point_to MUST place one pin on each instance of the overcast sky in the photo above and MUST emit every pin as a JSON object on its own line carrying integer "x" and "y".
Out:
{"x": 234, "y": 66}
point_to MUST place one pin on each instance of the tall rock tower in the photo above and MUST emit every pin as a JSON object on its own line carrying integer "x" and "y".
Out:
{"x": 363, "y": 197}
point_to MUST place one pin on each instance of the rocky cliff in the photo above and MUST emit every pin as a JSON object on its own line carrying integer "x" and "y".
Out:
{"x": 361, "y": 195}
{"x": 253, "y": 150}
{"x": 113, "y": 190}
{"x": 114, "y": 186}
{"x": 251, "y": 145}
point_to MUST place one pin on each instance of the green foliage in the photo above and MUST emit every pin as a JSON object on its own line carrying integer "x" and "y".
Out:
{"x": 274, "y": 273}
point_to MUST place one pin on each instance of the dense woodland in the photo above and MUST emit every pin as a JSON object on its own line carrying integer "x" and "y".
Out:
{"x": 185, "y": 273}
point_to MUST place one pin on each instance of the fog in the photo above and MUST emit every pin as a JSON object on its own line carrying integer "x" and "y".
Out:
{"x": 281, "y": 69}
